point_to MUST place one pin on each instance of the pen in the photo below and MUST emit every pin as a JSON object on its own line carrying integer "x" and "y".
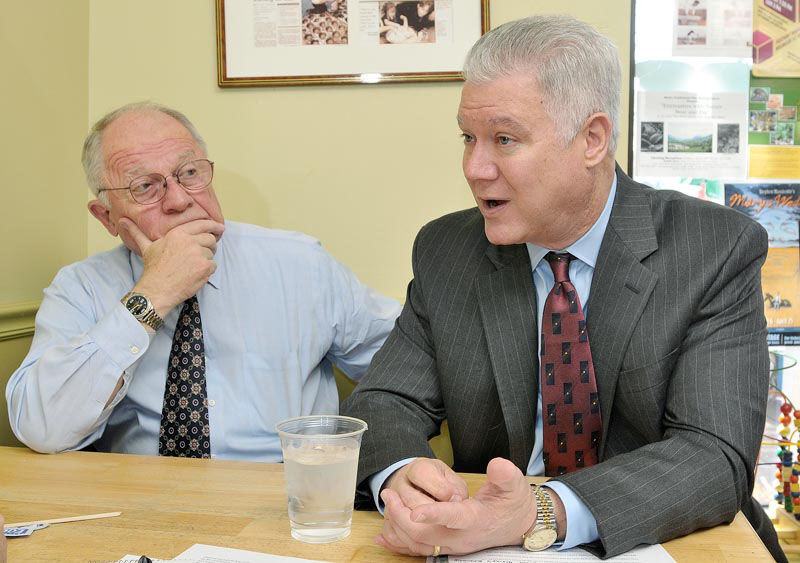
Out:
{"x": 144, "y": 559}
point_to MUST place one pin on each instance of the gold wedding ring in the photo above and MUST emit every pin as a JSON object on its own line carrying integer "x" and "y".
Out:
{"x": 436, "y": 550}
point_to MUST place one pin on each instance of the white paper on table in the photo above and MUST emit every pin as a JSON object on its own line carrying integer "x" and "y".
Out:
{"x": 641, "y": 554}
{"x": 200, "y": 553}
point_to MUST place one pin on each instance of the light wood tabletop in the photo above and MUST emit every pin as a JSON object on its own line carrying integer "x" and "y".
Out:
{"x": 169, "y": 504}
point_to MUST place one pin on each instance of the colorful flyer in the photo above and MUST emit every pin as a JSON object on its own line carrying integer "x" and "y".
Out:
{"x": 772, "y": 129}
{"x": 776, "y": 38}
{"x": 777, "y": 208}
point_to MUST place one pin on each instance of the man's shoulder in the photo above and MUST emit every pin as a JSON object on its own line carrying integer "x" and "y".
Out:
{"x": 108, "y": 270}
{"x": 465, "y": 223}
{"x": 104, "y": 263}
{"x": 249, "y": 234}
{"x": 262, "y": 246}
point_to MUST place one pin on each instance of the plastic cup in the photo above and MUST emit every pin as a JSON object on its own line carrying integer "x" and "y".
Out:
{"x": 320, "y": 463}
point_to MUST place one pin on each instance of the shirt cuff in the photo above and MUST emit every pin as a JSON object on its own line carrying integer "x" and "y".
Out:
{"x": 378, "y": 479}
{"x": 581, "y": 524}
{"x": 124, "y": 341}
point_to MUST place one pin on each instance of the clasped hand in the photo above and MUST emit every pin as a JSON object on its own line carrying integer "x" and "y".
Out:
{"x": 177, "y": 265}
{"x": 427, "y": 505}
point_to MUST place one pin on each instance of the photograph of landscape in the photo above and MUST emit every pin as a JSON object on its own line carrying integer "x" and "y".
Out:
{"x": 690, "y": 137}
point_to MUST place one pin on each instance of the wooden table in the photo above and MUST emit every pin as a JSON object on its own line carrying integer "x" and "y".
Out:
{"x": 169, "y": 504}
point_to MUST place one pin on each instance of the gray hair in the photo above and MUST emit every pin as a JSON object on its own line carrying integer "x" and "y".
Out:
{"x": 92, "y": 157}
{"x": 576, "y": 68}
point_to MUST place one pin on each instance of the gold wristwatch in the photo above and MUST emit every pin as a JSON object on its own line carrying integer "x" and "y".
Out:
{"x": 543, "y": 533}
{"x": 141, "y": 308}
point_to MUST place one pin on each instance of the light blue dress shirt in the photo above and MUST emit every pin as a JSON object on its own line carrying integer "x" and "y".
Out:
{"x": 277, "y": 313}
{"x": 581, "y": 524}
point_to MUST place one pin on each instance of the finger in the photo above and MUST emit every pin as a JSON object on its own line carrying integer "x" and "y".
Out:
{"x": 504, "y": 480}
{"x": 383, "y": 542}
{"x": 451, "y": 515}
{"x": 398, "y": 516}
{"x": 136, "y": 234}
{"x": 207, "y": 240}
{"x": 459, "y": 485}
{"x": 398, "y": 529}
{"x": 410, "y": 495}
{"x": 203, "y": 226}
{"x": 502, "y": 472}
{"x": 434, "y": 478}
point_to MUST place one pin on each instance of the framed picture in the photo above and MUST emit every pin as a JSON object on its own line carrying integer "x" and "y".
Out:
{"x": 298, "y": 42}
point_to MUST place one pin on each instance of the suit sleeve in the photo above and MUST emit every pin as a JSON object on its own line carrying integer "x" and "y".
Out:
{"x": 701, "y": 472}
{"x": 399, "y": 397}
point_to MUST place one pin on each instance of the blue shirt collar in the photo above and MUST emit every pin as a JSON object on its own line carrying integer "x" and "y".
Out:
{"x": 587, "y": 247}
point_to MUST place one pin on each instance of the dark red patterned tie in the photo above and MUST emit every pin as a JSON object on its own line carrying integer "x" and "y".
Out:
{"x": 184, "y": 418}
{"x": 570, "y": 406}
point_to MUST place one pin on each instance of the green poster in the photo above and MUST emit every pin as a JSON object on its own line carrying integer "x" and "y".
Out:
{"x": 773, "y": 111}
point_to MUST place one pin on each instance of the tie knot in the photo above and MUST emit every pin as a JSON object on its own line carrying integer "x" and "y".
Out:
{"x": 559, "y": 263}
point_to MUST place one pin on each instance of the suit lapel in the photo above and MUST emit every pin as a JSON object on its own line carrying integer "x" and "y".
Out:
{"x": 508, "y": 309}
{"x": 621, "y": 287}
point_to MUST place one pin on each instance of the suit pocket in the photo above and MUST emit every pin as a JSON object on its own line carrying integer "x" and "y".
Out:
{"x": 647, "y": 377}
{"x": 641, "y": 398}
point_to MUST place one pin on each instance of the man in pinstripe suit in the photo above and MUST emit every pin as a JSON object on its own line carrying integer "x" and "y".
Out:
{"x": 670, "y": 288}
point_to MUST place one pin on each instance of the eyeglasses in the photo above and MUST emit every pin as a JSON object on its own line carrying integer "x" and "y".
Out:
{"x": 193, "y": 176}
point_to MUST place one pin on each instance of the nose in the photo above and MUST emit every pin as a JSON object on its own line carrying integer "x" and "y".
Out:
{"x": 478, "y": 164}
{"x": 176, "y": 199}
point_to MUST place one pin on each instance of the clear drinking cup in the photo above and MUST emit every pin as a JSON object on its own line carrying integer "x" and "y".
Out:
{"x": 320, "y": 462}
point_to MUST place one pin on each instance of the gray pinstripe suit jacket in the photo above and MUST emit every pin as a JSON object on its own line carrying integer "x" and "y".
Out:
{"x": 678, "y": 338}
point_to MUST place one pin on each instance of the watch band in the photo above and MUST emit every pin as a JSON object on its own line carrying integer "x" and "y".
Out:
{"x": 543, "y": 533}
{"x": 142, "y": 309}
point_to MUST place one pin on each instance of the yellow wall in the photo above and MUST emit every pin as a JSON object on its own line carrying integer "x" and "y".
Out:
{"x": 362, "y": 168}
{"x": 44, "y": 50}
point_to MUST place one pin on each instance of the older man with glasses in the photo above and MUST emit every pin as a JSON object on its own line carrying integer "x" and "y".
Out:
{"x": 197, "y": 334}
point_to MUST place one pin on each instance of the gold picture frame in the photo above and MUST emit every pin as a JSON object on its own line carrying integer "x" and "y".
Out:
{"x": 314, "y": 42}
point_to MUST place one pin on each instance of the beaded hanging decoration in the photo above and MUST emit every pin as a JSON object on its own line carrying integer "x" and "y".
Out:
{"x": 788, "y": 473}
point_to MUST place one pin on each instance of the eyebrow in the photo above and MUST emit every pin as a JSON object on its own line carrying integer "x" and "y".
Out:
{"x": 506, "y": 122}
{"x": 509, "y": 123}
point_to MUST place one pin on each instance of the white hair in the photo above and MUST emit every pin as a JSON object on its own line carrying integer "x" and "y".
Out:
{"x": 576, "y": 68}
{"x": 92, "y": 157}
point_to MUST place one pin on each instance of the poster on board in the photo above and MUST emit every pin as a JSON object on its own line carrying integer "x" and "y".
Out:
{"x": 712, "y": 28}
{"x": 773, "y": 134}
{"x": 777, "y": 208}
{"x": 691, "y": 134}
{"x": 776, "y": 38}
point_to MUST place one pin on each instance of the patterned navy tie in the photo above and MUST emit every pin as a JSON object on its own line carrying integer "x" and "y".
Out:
{"x": 571, "y": 409}
{"x": 184, "y": 418}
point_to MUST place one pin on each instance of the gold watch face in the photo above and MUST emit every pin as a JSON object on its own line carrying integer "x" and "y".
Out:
{"x": 540, "y": 538}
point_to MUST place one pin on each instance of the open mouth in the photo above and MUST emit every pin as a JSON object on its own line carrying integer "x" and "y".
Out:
{"x": 495, "y": 203}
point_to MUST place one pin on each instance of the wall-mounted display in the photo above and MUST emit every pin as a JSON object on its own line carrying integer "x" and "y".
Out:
{"x": 308, "y": 42}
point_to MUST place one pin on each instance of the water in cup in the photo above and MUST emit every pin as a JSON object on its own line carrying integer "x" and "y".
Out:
{"x": 320, "y": 455}
{"x": 320, "y": 484}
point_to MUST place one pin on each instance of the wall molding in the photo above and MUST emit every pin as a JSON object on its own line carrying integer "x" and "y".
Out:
{"x": 17, "y": 319}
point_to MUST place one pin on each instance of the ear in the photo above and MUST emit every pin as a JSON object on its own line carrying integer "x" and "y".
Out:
{"x": 103, "y": 214}
{"x": 597, "y": 134}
